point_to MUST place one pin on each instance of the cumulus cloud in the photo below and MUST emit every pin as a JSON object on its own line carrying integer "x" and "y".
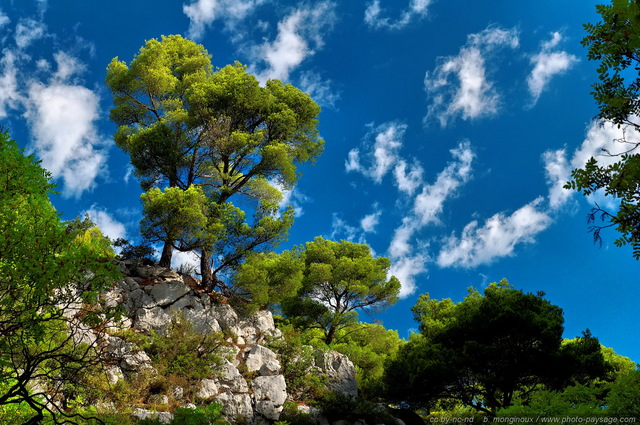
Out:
{"x": 370, "y": 221}
{"x": 382, "y": 155}
{"x": 188, "y": 260}
{"x": 108, "y": 225}
{"x": 294, "y": 198}
{"x": 406, "y": 269}
{"x": 497, "y": 238}
{"x": 408, "y": 176}
{"x": 547, "y": 64}
{"x": 203, "y": 13}
{"x": 557, "y": 172}
{"x": 29, "y": 30}
{"x": 407, "y": 256}
{"x": 62, "y": 120}
{"x": 429, "y": 203}
{"x": 459, "y": 84}
{"x": 300, "y": 35}
{"x": 373, "y": 15}
{"x": 9, "y": 95}
{"x": 4, "y": 19}
{"x": 604, "y": 142}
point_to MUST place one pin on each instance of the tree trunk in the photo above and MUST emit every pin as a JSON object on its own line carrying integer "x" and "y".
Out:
{"x": 205, "y": 271}
{"x": 167, "y": 253}
{"x": 330, "y": 335}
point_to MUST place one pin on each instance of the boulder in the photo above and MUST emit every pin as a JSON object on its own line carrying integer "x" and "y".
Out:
{"x": 208, "y": 389}
{"x": 340, "y": 371}
{"x": 231, "y": 380}
{"x": 270, "y": 393}
{"x": 236, "y": 407}
{"x": 258, "y": 356}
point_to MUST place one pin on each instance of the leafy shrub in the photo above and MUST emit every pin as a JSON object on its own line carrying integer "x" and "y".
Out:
{"x": 183, "y": 357}
{"x": 336, "y": 406}
{"x": 296, "y": 360}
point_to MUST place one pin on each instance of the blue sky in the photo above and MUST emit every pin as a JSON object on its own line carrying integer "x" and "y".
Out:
{"x": 450, "y": 128}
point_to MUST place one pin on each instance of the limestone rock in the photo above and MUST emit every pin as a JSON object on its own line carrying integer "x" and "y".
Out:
{"x": 208, "y": 389}
{"x": 340, "y": 372}
{"x": 270, "y": 393}
{"x": 236, "y": 406}
{"x": 231, "y": 379}
{"x": 258, "y": 356}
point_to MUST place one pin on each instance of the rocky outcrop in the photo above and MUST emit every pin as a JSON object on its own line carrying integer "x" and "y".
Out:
{"x": 340, "y": 372}
{"x": 249, "y": 383}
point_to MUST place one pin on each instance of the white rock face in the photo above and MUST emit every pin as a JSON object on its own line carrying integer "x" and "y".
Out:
{"x": 208, "y": 389}
{"x": 257, "y": 358}
{"x": 270, "y": 393}
{"x": 236, "y": 406}
{"x": 154, "y": 296}
{"x": 231, "y": 379}
{"x": 339, "y": 370}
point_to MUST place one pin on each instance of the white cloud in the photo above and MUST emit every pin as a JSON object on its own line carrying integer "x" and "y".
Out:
{"x": 497, "y": 238}
{"x": 558, "y": 173}
{"x": 62, "y": 123}
{"x": 473, "y": 95}
{"x": 604, "y": 142}
{"x": 27, "y": 31}
{"x": 373, "y": 15}
{"x": 429, "y": 203}
{"x": 408, "y": 180}
{"x": 294, "y": 198}
{"x": 547, "y": 64}
{"x": 370, "y": 221}
{"x": 9, "y": 95}
{"x": 408, "y": 258}
{"x": 406, "y": 269}
{"x": 343, "y": 230}
{"x": 400, "y": 245}
{"x": 203, "y": 13}
{"x": 107, "y": 224}
{"x": 299, "y": 36}
{"x": 353, "y": 161}
{"x": 321, "y": 91}
{"x": 188, "y": 260}
{"x": 383, "y": 154}
{"x": 4, "y": 19}
{"x": 67, "y": 66}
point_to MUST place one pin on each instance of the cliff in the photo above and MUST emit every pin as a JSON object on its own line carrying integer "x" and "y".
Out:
{"x": 248, "y": 380}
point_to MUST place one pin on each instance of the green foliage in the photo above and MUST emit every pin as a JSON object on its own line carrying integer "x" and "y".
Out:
{"x": 339, "y": 278}
{"x": 624, "y": 397}
{"x": 336, "y": 406}
{"x": 368, "y": 346}
{"x": 292, "y": 416}
{"x": 296, "y": 361}
{"x": 46, "y": 267}
{"x": 183, "y": 357}
{"x": 143, "y": 252}
{"x": 206, "y": 415}
{"x": 577, "y": 401}
{"x": 615, "y": 43}
{"x": 487, "y": 350}
{"x": 269, "y": 278}
{"x": 189, "y": 127}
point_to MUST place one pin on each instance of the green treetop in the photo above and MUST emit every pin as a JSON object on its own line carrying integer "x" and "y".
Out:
{"x": 615, "y": 43}
{"x": 340, "y": 278}
{"x": 488, "y": 349}
{"x": 185, "y": 124}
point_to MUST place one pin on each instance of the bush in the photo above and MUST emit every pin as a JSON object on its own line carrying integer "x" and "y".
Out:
{"x": 336, "y": 406}
{"x": 296, "y": 360}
